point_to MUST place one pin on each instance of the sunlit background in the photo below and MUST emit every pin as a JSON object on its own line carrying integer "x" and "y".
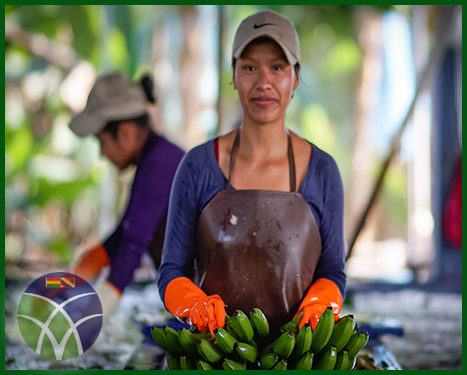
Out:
{"x": 359, "y": 76}
{"x": 380, "y": 85}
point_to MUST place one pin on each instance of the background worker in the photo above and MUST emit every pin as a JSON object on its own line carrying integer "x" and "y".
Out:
{"x": 256, "y": 215}
{"x": 116, "y": 113}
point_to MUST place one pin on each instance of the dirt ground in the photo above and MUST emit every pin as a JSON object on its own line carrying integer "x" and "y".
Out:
{"x": 431, "y": 323}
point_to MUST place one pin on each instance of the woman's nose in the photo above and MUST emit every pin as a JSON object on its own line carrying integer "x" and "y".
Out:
{"x": 264, "y": 79}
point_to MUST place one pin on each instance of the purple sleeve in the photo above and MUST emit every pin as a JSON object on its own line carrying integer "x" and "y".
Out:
{"x": 112, "y": 242}
{"x": 197, "y": 180}
{"x": 329, "y": 188}
{"x": 147, "y": 205}
{"x": 178, "y": 250}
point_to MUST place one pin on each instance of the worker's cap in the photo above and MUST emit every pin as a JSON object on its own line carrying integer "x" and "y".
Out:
{"x": 114, "y": 97}
{"x": 271, "y": 25}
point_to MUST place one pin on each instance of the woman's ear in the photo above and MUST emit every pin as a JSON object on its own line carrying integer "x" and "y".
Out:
{"x": 297, "y": 81}
{"x": 126, "y": 133}
{"x": 234, "y": 67}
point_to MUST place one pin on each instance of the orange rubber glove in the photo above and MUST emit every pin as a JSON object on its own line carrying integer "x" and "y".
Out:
{"x": 91, "y": 263}
{"x": 191, "y": 305}
{"x": 322, "y": 294}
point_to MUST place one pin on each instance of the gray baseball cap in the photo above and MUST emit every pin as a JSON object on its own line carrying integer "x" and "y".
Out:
{"x": 271, "y": 25}
{"x": 113, "y": 97}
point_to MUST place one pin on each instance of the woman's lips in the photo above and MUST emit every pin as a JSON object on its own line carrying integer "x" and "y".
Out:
{"x": 264, "y": 100}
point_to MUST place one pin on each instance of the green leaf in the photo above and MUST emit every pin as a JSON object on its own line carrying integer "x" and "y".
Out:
{"x": 317, "y": 127}
{"x": 84, "y": 24}
{"x": 18, "y": 147}
{"x": 43, "y": 19}
{"x": 43, "y": 190}
{"x": 342, "y": 59}
{"x": 117, "y": 47}
{"x": 60, "y": 246}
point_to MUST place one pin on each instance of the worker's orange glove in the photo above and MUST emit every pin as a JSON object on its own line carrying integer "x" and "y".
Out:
{"x": 322, "y": 294}
{"x": 191, "y": 305}
{"x": 91, "y": 263}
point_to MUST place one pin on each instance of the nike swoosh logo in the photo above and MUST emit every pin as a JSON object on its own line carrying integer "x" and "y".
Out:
{"x": 256, "y": 26}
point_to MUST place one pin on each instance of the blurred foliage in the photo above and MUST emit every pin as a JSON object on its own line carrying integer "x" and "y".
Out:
{"x": 119, "y": 37}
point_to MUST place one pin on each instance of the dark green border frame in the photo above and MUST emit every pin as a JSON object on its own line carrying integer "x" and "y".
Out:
{"x": 243, "y": 2}
{"x": 2, "y": 218}
{"x": 140, "y": 2}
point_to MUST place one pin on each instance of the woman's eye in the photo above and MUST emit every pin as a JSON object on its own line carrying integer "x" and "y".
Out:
{"x": 249, "y": 68}
{"x": 277, "y": 68}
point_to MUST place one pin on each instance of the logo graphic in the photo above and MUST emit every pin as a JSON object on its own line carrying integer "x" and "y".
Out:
{"x": 258, "y": 26}
{"x": 59, "y": 282}
{"x": 60, "y": 315}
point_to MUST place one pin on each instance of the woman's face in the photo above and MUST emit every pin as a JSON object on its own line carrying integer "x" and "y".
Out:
{"x": 117, "y": 150}
{"x": 264, "y": 81}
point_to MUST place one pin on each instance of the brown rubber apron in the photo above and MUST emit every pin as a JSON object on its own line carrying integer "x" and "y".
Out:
{"x": 258, "y": 248}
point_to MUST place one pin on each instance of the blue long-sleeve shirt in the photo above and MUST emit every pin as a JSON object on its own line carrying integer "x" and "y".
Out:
{"x": 147, "y": 207}
{"x": 199, "y": 178}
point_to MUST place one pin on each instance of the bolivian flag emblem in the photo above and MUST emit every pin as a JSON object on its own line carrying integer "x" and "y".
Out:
{"x": 59, "y": 282}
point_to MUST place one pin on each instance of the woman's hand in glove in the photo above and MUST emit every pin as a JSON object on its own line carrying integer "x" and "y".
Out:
{"x": 191, "y": 305}
{"x": 322, "y": 294}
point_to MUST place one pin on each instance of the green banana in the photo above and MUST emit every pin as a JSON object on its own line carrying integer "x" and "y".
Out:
{"x": 234, "y": 356}
{"x": 356, "y": 342}
{"x": 352, "y": 363}
{"x": 323, "y": 330}
{"x": 281, "y": 365}
{"x": 284, "y": 344}
{"x": 246, "y": 351}
{"x": 158, "y": 336}
{"x": 171, "y": 336}
{"x": 209, "y": 351}
{"x": 305, "y": 362}
{"x": 343, "y": 360}
{"x": 326, "y": 359}
{"x": 203, "y": 365}
{"x": 343, "y": 330}
{"x": 186, "y": 363}
{"x": 173, "y": 362}
{"x": 225, "y": 340}
{"x": 241, "y": 325}
{"x": 268, "y": 360}
{"x": 259, "y": 322}
{"x": 228, "y": 327}
{"x": 268, "y": 348}
{"x": 202, "y": 335}
{"x": 231, "y": 332}
{"x": 188, "y": 342}
{"x": 302, "y": 342}
{"x": 292, "y": 326}
{"x": 230, "y": 364}
{"x": 253, "y": 343}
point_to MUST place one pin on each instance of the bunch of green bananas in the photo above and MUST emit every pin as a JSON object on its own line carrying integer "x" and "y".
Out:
{"x": 245, "y": 343}
{"x": 231, "y": 348}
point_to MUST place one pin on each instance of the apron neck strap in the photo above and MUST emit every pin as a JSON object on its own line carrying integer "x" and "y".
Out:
{"x": 290, "y": 156}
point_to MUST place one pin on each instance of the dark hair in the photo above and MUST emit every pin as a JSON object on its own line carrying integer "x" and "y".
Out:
{"x": 147, "y": 84}
{"x": 141, "y": 121}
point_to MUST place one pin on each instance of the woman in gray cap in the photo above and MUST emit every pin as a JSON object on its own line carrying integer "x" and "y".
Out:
{"x": 116, "y": 113}
{"x": 256, "y": 215}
